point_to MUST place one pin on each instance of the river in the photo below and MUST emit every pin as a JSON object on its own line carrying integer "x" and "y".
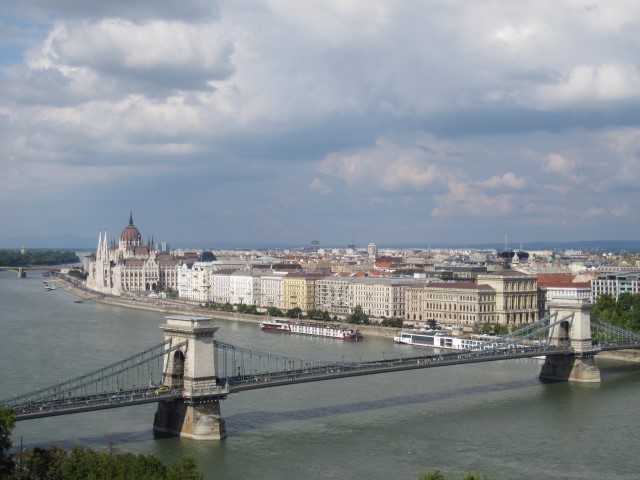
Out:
{"x": 497, "y": 418}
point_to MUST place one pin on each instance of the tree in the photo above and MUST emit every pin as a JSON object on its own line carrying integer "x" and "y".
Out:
{"x": 624, "y": 313}
{"x": 433, "y": 475}
{"x": 438, "y": 475}
{"x": 185, "y": 469}
{"x": 358, "y": 316}
{"x": 7, "y": 423}
{"x": 274, "y": 312}
{"x": 295, "y": 312}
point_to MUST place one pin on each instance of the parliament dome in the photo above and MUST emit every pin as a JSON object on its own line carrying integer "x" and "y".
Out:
{"x": 131, "y": 235}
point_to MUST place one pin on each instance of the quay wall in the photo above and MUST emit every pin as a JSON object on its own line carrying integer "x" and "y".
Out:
{"x": 183, "y": 307}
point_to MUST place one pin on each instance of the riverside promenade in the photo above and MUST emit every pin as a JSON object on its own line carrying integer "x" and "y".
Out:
{"x": 187, "y": 307}
{"x": 182, "y": 307}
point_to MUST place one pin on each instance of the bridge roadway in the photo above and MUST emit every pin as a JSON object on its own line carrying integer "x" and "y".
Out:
{"x": 308, "y": 373}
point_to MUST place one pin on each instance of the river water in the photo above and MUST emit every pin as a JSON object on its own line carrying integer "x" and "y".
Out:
{"x": 496, "y": 418}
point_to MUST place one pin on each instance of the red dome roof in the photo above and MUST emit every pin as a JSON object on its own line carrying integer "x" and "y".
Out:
{"x": 131, "y": 235}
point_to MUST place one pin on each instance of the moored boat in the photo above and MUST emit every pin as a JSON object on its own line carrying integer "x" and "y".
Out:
{"x": 313, "y": 329}
{"x": 440, "y": 340}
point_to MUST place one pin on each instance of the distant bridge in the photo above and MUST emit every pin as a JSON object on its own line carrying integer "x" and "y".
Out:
{"x": 190, "y": 373}
{"x": 22, "y": 271}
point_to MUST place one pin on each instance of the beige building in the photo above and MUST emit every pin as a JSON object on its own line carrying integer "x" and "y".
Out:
{"x": 516, "y": 296}
{"x": 299, "y": 290}
{"x": 450, "y": 303}
{"x": 379, "y": 297}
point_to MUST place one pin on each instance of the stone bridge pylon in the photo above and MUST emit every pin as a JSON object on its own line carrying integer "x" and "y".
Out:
{"x": 191, "y": 368}
{"x": 574, "y": 333}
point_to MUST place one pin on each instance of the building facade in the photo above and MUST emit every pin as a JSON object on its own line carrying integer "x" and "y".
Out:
{"x": 451, "y": 303}
{"x": 516, "y": 296}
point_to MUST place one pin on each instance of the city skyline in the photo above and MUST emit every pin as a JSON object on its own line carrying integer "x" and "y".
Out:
{"x": 278, "y": 123}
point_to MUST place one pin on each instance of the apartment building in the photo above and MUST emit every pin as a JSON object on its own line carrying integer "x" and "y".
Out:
{"x": 451, "y": 303}
{"x": 380, "y": 297}
{"x": 244, "y": 288}
{"x": 299, "y": 290}
{"x": 332, "y": 294}
{"x": 271, "y": 289}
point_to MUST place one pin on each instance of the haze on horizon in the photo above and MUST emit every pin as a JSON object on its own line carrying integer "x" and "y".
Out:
{"x": 283, "y": 122}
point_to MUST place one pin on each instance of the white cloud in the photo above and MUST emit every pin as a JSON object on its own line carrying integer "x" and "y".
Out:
{"x": 621, "y": 211}
{"x": 586, "y": 84}
{"x": 157, "y": 53}
{"x": 560, "y": 164}
{"x": 463, "y": 200}
{"x": 492, "y": 111}
{"x": 320, "y": 187}
{"x": 507, "y": 180}
{"x": 386, "y": 166}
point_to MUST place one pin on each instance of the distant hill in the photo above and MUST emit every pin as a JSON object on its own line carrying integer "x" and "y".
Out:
{"x": 83, "y": 243}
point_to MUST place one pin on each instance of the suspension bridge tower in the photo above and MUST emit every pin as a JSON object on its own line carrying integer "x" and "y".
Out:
{"x": 191, "y": 368}
{"x": 574, "y": 332}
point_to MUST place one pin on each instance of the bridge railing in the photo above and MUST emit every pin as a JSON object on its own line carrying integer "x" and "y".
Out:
{"x": 139, "y": 372}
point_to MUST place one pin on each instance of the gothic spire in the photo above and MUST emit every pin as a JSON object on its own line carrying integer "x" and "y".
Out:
{"x": 130, "y": 217}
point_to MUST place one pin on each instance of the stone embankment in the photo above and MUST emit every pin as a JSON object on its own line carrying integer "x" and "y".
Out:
{"x": 629, "y": 356}
{"x": 184, "y": 307}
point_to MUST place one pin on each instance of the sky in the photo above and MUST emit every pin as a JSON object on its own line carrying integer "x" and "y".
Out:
{"x": 256, "y": 122}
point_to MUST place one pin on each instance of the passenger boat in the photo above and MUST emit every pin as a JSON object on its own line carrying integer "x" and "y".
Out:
{"x": 310, "y": 328}
{"x": 441, "y": 340}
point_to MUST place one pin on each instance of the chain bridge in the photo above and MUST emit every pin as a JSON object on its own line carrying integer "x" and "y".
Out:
{"x": 190, "y": 372}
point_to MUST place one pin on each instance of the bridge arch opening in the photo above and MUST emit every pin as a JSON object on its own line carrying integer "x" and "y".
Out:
{"x": 177, "y": 368}
{"x": 564, "y": 331}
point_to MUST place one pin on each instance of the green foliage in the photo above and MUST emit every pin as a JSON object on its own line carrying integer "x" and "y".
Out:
{"x": 438, "y": 475}
{"x": 295, "y": 312}
{"x": 14, "y": 258}
{"x": 317, "y": 314}
{"x": 433, "y": 475}
{"x": 79, "y": 274}
{"x": 251, "y": 309}
{"x": 82, "y": 463}
{"x": 494, "y": 329}
{"x": 7, "y": 422}
{"x": 624, "y": 313}
{"x": 274, "y": 312}
{"x": 392, "y": 322}
{"x": 185, "y": 469}
{"x": 358, "y": 316}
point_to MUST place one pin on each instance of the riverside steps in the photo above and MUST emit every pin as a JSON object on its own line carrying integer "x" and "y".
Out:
{"x": 191, "y": 369}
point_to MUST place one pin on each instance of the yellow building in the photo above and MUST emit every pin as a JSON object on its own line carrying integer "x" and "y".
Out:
{"x": 299, "y": 290}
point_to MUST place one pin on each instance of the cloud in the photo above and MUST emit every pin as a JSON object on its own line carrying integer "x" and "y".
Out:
{"x": 154, "y": 54}
{"x": 507, "y": 180}
{"x": 466, "y": 201}
{"x": 320, "y": 187}
{"x": 560, "y": 164}
{"x": 505, "y": 115}
{"x": 588, "y": 84}
{"x": 193, "y": 10}
{"x": 386, "y": 166}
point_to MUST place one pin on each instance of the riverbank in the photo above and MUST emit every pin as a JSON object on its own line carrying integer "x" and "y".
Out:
{"x": 184, "y": 307}
{"x": 628, "y": 356}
